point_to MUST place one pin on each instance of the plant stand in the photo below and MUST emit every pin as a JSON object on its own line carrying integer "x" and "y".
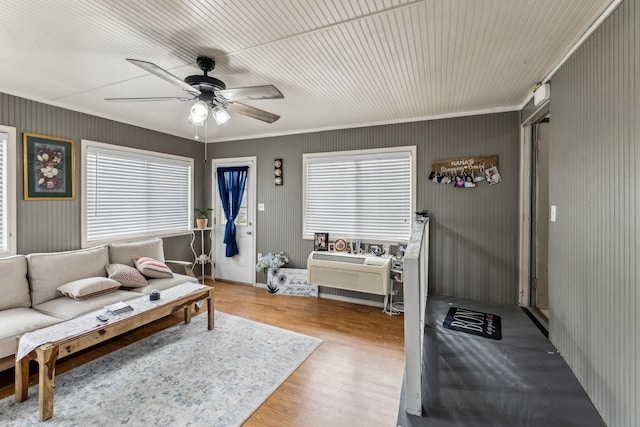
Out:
{"x": 204, "y": 257}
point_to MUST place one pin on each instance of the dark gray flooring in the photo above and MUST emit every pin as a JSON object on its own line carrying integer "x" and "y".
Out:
{"x": 520, "y": 380}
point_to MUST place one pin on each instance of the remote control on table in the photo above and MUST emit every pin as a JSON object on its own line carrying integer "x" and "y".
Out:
{"x": 102, "y": 318}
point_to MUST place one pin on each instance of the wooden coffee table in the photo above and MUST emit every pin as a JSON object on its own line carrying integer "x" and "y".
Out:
{"x": 47, "y": 354}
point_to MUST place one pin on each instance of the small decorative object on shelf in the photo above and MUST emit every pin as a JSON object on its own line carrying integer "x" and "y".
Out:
{"x": 340, "y": 245}
{"x": 377, "y": 250}
{"x": 272, "y": 261}
{"x": 422, "y": 216}
{"x": 202, "y": 219}
{"x": 321, "y": 242}
{"x": 154, "y": 295}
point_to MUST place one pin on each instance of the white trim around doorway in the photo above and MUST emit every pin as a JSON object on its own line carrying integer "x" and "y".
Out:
{"x": 239, "y": 161}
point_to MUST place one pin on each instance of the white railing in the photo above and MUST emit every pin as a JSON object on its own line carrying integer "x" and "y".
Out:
{"x": 416, "y": 280}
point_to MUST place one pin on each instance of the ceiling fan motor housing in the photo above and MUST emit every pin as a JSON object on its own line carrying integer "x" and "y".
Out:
{"x": 206, "y": 85}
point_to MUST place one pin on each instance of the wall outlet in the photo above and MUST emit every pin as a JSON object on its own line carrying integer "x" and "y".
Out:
{"x": 260, "y": 207}
{"x": 259, "y": 255}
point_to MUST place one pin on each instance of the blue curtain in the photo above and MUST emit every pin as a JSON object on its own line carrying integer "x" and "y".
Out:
{"x": 231, "y": 182}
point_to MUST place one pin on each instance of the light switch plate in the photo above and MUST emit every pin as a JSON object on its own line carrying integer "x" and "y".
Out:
{"x": 552, "y": 214}
{"x": 261, "y": 207}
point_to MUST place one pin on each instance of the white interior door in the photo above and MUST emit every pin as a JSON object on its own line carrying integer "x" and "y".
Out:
{"x": 241, "y": 267}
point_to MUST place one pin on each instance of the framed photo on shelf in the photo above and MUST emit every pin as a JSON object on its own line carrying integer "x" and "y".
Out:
{"x": 340, "y": 245}
{"x": 49, "y": 167}
{"x": 321, "y": 242}
{"x": 332, "y": 247}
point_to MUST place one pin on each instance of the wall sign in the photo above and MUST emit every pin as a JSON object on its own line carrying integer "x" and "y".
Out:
{"x": 465, "y": 172}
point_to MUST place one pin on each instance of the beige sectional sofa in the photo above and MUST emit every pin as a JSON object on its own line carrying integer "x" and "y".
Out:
{"x": 29, "y": 295}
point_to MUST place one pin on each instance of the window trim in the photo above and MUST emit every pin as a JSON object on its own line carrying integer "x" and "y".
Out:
{"x": 12, "y": 191}
{"x": 85, "y": 145}
{"x": 306, "y": 157}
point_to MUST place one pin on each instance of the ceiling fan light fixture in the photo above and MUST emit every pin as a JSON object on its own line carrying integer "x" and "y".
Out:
{"x": 220, "y": 115}
{"x": 198, "y": 113}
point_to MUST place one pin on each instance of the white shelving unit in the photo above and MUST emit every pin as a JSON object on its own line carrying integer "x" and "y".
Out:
{"x": 390, "y": 307}
{"x": 204, "y": 257}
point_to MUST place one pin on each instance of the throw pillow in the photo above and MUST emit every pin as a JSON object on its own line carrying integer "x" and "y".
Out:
{"x": 89, "y": 287}
{"x": 152, "y": 267}
{"x": 128, "y": 277}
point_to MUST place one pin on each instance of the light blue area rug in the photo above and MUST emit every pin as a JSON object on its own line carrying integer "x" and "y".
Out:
{"x": 183, "y": 376}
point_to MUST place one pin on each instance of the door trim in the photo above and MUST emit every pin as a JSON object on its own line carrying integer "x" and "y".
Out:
{"x": 525, "y": 216}
{"x": 240, "y": 161}
{"x": 524, "y": 263}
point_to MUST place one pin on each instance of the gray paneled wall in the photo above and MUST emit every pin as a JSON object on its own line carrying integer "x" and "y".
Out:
{"x": 594, "y": 245}
{"x": 474, "y": 234}
{"x": 46, "y": 226}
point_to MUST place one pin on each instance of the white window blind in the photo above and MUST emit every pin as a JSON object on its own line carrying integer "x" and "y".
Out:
{"x": 4, "y": 142}
{"x": 7, "y": 191}
{"x": 365, "y": 195}
{"x": 132, "y": 193}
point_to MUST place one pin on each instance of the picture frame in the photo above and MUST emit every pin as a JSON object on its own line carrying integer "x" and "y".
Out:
{"x": 340, "y": 245}
{"x": 332, "y": 247}
{"x": 321, "y": 242}
{"x": 49, "y": 167}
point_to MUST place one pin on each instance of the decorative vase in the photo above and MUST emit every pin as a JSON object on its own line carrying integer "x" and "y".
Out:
{"x": 202, "y": 222}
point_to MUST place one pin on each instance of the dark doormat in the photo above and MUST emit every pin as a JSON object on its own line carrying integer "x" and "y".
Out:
{"x": 473, "y": 322}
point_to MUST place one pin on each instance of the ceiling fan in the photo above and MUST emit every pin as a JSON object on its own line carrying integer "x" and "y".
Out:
{"x": 211, "y": 94}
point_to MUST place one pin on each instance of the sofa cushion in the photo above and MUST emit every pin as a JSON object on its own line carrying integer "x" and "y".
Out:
{"x": 17, "y": 321}
{"x": 124, "y": 253}
{"x": 14, "y": 286}
{"x": 89, "y": 287}
{"x": 66, "y": 308}
{"x": 152, "y": 267}
{"x": 128, "y": 277}
{"x": 161, "y": 284}
{"x": 47, "y": 271}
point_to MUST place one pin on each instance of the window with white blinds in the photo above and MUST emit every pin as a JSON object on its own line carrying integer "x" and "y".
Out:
{"x": 4, "y": 141}
{"x": 366, "y": 194}
{"x": 131, "y": 193}
{"x": 7, "y": 191}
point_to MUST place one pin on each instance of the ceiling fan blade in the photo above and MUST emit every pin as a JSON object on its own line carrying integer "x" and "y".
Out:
{"x": 251, "y": 92}
{"x": 164, "y": 74}
{"x": 154, "y": 98}
{"x": 253, "y": 112}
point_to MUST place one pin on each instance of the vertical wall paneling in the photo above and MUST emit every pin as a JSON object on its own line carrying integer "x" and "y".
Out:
{"x": 47, "y": 226}
{"x": 593, "y": 252}
{"x": 474, "y": 234}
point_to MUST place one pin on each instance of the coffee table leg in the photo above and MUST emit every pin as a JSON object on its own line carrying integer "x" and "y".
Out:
{"x": 22, "y": 379}
{"x": 210, "y": 309}
{"x": 46, "y": 357}
{"x": 187, "y": 314}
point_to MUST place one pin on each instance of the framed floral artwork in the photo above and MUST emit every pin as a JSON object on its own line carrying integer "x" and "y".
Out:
{"x": 49, "y": 167}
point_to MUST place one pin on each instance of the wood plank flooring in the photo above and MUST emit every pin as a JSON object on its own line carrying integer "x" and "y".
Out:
{"x": 353, "y": 379}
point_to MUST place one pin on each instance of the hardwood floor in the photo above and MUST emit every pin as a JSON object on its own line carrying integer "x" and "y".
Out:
{"x": 353, "y": 379}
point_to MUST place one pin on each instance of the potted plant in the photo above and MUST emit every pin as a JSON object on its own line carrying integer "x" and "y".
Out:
{"x": 202, "y": 219}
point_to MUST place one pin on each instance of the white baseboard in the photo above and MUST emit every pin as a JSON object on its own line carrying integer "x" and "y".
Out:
{"x": 352, "y": 300}
{"x": 340, "y": 298}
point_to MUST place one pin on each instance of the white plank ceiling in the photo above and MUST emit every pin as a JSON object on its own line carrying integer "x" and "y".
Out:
{"x": 338, "y": 63}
